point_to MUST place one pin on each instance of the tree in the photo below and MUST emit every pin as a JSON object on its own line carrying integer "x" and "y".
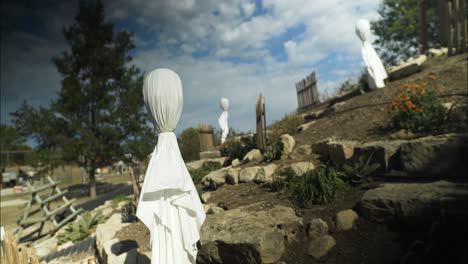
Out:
{"x": 98, "y": 115}
{"x": 189, "y": 144}
{"x": 11, "y": 143}
{"x": 398, "y": 29}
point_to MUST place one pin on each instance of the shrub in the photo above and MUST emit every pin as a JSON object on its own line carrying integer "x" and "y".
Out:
{"x": 81, "y": 228}
{"x": 313, "y": 187}
{"x": 358, "y": 172}
{"x": 417, "y": 108}
{"x": 120, "y": 198}
{"x": 129, "y": 213}
{"x": 273, "y": 151}
{"x": 207, "y": 167}
{"x": 237, "y": 150}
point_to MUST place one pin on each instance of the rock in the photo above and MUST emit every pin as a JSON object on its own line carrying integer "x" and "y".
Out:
{"x": 235, "y": 163}
{"x": 317, "y": 228}
{"x": 402, "y": 134}
{"x": 321, "y": 246}
{"x": 46, "y": 247}
{"x": 312, "y": 115}
{"x": 198, "y": 164}
{"x": 443, "y": 155}
{"x": 415, "y": 204}
{"x": 253, "y": 156}
{"x": 205, "y": 197}
{"x": 384, "y": 153}
{"x": 338, "y": 106}
{"x": 437, "y": 52}
{"x": 194, "y": 165}
{"x": 459, "y": 114}
{"x": 232, "y": 176}
{"x": 129, "y": 257}
{"x": 301, "y": 152}
{"x": 248, "y": 234}
{"x": 215, "y": 210}
{"x": 345, "y": 220}
{"x": 107, "y": 212}
{"x": 206, "y": 207}
{"x": 107, "y": 230}
{"x": 305, "y": 126}
{"x": 340, "y": 151}
{"x": 121, "y": 205}
{"x": 211, "y": 154}
{"x": 248, "y": 174}
{"x": 215, "y": 178}
{"x": 321, "y": 148}
{"x": 107, "y": 255}
{"x": 302, "y": 167}
{"x": 65, "y": 245}
{"x": 287, "y": 143}
{"x": 265, "y": 174}
{"x": 407, "y": 68}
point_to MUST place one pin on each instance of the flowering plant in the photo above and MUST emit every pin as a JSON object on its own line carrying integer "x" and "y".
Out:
{"x": 417, "y": 107}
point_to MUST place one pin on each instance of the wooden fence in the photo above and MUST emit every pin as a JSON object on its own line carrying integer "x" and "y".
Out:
{"x": 307, "y": 94}
{"x": 260, "y": 123}
{"x": 205, "y": 134}
{"x": 452, "y": 27}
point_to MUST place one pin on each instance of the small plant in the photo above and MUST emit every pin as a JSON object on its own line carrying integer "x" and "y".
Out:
{"x": 82, "y": 228}
{"x": 273, "y": 151}
{"x": 313, "y": 187}
{"x": 207, "y": 167}
{"x": 417, "y": 107}
{"x": 129, "y": 213}
{"x": 358, "y": 172}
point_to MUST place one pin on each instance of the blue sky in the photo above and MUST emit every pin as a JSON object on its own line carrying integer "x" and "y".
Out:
{"x": 235, "y": 49}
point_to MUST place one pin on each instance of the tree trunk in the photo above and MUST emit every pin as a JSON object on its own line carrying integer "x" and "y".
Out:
{"x": 92, "y": 180}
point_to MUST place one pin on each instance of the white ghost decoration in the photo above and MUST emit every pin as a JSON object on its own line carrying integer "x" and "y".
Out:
{"x": 223, "y": 119}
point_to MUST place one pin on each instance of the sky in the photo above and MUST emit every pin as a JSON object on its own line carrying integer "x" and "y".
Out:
{"x": 235, "y": 49}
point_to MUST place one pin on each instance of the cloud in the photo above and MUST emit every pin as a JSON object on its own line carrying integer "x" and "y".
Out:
{"x": 220, "y": 49}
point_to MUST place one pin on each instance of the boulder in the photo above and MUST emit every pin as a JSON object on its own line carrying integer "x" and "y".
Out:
{"x": 205, "y": 197}
{"x": 345, "y": 220}
{"x": 232, "y": 176}
{"x": 198, "y": 164}
{"x": 305, "y": 126}
{"x": 287, "y": 143}
{"x": 403, "y": 134}
{"x": 317, "y": 228}
{"x": 411, "y": 66}
{"x": 46, "y": 247}
{"x": 321, "y": 148}
{"x": 443, "y": 155}
{"x": 312, "y": 115}
{"x": 320, "y": 247}
{"x": 338, "y": 106}
{"x": 253, "y": 156}
{"x": 210, "y": 154}
{"x": 437, "y": 52}
{"x": 248, "y": 234}
{"x": 215, "y": 210}
{"x": 302, "y": 167}
{"x": 384, "y": 153}
{"x": 215, "y": 178}
{"x": 129, "y": 257}
{"x": 65, "y": 245}
{"x": 107, "y": 212}
{"x": 301, "y": 152}
{"x": 121, "y": 205}
{"x": 265, "y": 174}
{"x": 106, "y": 231}
{"x": 248, "y": 174}
{"x": 414, "y": 204}
{"x": 340, "y": 151}
{"x": 235, "y": 163}
{"x": 120, "y": 252}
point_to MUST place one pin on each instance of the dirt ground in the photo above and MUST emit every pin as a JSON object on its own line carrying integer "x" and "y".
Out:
{"x": 366, "y": 118}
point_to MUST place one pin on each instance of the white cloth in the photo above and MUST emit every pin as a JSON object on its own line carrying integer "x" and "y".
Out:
{"x": 223, "y": 119}
{"x": 376, "y": 73}
{"x": 169, "y": 204}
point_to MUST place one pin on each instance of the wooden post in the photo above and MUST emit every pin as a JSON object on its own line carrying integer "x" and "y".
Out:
{"x": 260, "y": 121}
{"x": 456, "y": 28}
{"x": 463, "y": 25}
{"x": 444, "y": 22}
{"x": 205, "y": 134}
{"x": 422, "y": 25}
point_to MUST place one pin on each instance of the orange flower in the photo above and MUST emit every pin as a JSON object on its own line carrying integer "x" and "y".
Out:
{"x": 410, "y": 105}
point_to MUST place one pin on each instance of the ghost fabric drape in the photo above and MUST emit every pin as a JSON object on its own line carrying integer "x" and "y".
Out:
{"x": 376, "y": 73}
{"x": 169, "y": 204}
{"x": 223, "y": 119}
